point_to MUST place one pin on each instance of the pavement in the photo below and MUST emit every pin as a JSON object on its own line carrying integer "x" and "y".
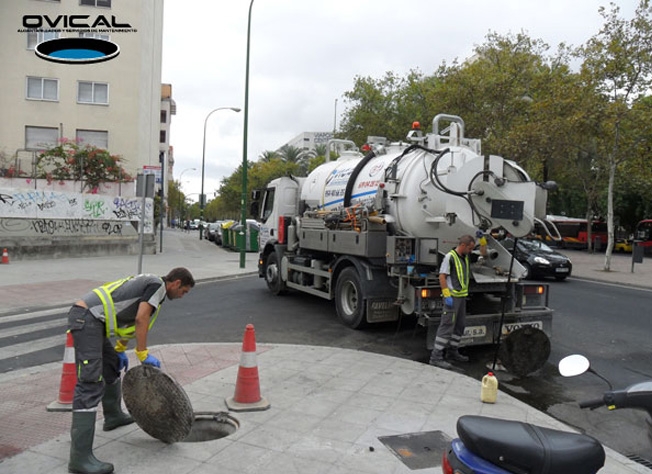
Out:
{"x": 333, "y": 411}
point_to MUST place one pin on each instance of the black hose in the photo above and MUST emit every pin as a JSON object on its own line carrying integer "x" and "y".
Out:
{"x": 354, "y": 176}
{"x": 502, "y": 312}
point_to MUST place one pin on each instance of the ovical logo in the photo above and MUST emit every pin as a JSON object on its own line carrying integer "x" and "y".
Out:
{"x": 77, "y": 50}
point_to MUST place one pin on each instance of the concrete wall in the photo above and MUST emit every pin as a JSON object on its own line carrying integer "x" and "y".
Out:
{"x": 36, "y": 224}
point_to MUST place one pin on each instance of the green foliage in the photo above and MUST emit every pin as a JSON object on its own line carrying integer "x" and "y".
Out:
{"x": 578, "y": 116}
{"x": 70, "y": 160}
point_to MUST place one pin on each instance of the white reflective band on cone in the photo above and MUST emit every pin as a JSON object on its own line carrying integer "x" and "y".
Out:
{"x": 248, "y": 360}
{"x": 69, "y": 355}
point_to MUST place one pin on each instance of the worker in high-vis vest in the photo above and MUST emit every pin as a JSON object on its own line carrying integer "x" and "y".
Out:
{"x": 454, "y": 277}
{"x": 125, "y": 309}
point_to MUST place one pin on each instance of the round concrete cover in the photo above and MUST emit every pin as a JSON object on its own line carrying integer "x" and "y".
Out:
{"x": 157, "y": 403}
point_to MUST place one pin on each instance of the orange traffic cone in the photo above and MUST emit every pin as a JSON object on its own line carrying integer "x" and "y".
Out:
{"x": 68, "y": 379}
{"x": 247, "y": 387}
{"x": 5, "y": 256}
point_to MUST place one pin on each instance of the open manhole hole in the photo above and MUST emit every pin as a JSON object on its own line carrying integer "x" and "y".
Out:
{"x": 208, "y": 426}
{"x": 162, "y": 409}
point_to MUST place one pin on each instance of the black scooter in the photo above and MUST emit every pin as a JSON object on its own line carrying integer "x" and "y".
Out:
{"x": 492, "y": 446}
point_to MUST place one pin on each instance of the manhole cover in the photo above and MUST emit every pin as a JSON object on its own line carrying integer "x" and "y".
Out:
{"x": 524, "y": 351}
{"x": 158, "y": 404}
{"x": 418, "y": 450}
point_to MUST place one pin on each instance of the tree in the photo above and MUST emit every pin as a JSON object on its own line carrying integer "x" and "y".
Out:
{"x": 87, "y": 163}
{"x": 291, "y": 154}
{"x": 618, "y": 62}
{"x": 268, "y": 155}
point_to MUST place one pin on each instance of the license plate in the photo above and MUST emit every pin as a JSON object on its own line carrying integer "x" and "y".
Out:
{"x": 475, "y": 331}
{"x": 561, "y": 270}
{"x": 511, "y": 327}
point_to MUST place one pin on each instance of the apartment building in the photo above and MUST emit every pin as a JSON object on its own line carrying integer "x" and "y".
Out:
{"x": 116, "y": 104}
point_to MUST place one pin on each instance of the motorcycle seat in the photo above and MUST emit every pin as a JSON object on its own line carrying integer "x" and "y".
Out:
{"x": 529, "y": 449}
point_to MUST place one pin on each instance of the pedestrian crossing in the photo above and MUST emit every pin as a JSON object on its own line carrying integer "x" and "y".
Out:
{"x": 32, "y": 338}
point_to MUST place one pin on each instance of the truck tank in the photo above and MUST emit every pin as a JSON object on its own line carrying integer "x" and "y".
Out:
{"x": 440, "y": 187}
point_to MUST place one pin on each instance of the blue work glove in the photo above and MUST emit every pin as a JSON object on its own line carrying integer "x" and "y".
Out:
{"x": 123, "y": 362}
{"x": 448, "y": 301}
{"x": 479, "y": 233}
{"x": 153, "y": 361}
{"x": 147, "y": 359}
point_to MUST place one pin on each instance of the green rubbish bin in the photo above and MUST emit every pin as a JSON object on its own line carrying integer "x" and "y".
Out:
{"x": 238, "y": 237}
{"x": 226, "y": 236}
{"x": 253, "y": 239}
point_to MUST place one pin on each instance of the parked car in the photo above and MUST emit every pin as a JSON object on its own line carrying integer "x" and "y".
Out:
{"x": 538, "y": 259}
{"x": 210, "y": 230}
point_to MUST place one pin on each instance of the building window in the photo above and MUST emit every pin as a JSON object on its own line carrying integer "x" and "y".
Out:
{"x": 90, "y": 34}
{"x": 98, "y": 138}
{"x": 92, "y": 92}
{"x": 162, "y": 136}
{"x": 164, "y": 116}
{"x": 39, "y": 138}
{"x": 96, "y": 3}
{"x": 36, "y": 37}
{"x": 40, "y": 88}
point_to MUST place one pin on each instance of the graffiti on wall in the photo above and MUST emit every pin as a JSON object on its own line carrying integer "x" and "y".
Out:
{"x": 65, "y": 228}
{"x": 66, "y": 213}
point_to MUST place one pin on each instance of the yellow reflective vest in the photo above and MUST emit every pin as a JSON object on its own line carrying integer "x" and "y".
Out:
{"x": 110, "y": 315}
{"x": 461, "y": 275}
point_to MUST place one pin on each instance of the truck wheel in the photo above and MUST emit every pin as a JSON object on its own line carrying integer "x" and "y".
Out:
{"x": 273, "y": 275}
{"x": 349, "y": 299}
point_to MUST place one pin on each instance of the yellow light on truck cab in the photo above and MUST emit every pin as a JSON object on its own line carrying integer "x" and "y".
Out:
{"x": 425, "y": 293}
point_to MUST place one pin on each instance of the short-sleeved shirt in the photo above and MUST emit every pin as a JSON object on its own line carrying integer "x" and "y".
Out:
{"x": 127, "y": 298}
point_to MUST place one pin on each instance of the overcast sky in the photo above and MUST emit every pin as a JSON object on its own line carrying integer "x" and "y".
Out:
{"x": 305, "y": 54}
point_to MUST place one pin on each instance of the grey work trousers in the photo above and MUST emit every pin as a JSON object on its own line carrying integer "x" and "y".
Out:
{"x": 451, "y": 326}
{"x": 96, "y": 361}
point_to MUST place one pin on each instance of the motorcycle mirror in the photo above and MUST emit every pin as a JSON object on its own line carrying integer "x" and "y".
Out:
{"x": 573, "y": 365}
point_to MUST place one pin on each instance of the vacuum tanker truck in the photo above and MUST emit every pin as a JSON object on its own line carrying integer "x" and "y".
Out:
{"x": 370, "y": 231}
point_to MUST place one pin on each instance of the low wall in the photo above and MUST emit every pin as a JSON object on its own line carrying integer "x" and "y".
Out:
{"x": 35, "y": 239}
{"x": 41, "y": 224}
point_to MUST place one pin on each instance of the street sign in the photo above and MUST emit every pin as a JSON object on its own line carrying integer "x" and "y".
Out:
{"x": 155, "y": 170}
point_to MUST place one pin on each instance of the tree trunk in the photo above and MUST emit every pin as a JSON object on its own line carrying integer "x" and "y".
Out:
{"x": 610, "y": 214}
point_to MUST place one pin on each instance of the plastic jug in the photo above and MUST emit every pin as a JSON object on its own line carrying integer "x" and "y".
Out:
{"x": 489, "y": 390}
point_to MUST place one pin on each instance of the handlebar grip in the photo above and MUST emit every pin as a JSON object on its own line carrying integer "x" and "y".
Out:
{"x": 598, "y": 402}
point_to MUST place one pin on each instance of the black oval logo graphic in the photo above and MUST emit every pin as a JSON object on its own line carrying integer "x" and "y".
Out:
{"x": 77, "y": 50}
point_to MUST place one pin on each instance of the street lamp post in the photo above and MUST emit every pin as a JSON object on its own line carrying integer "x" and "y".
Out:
{"x": 243, "y": 198}
{"x": 181, "y": 176}
{"x": 202, "y": 197}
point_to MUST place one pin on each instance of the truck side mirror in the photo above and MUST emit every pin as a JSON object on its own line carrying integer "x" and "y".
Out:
{"x": 255, "y": 195}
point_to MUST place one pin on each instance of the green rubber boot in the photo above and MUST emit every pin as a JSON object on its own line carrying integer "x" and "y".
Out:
{"x": 82, "y": 432}
{"x": 111, "y": 404}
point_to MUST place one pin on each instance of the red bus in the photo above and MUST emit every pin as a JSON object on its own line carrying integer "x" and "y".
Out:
{"x": 643, "y": 235}
{"x": 575, "y": 235}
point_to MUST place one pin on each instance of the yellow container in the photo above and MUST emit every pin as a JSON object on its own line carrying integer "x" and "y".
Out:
{"x": 489, "y": 390}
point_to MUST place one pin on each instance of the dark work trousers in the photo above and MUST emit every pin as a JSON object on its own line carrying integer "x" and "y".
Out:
{"x": 96, "y": 361}
{"x": 451, "y": 327}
